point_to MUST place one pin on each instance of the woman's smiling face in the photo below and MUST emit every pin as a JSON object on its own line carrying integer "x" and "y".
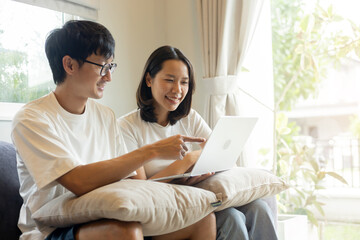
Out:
{"x": 169, "y": 86}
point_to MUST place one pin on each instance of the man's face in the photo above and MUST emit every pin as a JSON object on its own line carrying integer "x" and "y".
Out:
{"x": 87, "y": 81}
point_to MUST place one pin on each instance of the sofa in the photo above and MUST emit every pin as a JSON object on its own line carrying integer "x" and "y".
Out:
{"x": 11, "y": 201}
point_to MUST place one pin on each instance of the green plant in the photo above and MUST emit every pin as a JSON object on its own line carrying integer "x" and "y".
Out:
{"x": 304, "y": 47}
{"x": 298, "y": 164}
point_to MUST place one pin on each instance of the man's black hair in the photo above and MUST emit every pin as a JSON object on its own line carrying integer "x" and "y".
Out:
{"x": 77, "y": 39}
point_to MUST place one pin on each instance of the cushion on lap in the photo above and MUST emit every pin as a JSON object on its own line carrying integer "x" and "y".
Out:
{"x": 239, "y": 186}
{"x": 160, "y": 208}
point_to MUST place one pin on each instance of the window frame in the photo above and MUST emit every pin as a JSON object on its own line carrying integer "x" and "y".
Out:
{"x": 9, "y": 109}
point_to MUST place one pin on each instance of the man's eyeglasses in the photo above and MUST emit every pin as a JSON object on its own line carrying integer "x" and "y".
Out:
{"x": 104, "y": 68}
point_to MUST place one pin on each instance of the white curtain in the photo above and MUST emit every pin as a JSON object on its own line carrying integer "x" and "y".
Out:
{"x": 87, "y": 9}
{"x": 227, "y": 29}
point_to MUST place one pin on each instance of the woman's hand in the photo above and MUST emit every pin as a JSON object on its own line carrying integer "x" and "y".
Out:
{"x": 191, "y": 159}
{"x": 174, "y": 147}
{"x": 190, "y": 181}
{"x": 179, "y": 166}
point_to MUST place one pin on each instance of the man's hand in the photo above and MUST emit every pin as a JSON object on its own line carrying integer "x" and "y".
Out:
{"x": 174, "y": 147}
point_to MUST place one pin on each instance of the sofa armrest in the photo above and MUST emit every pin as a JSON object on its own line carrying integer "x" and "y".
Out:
{"x": 10, "y": 200}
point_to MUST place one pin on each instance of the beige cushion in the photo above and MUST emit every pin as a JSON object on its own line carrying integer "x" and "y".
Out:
{"x": 160, "y": 207}
{"x": 239, "y": 186}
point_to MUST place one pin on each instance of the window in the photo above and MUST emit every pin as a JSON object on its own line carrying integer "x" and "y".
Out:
{"x": 316, "y": 67}
{"x": 24, "y": 70}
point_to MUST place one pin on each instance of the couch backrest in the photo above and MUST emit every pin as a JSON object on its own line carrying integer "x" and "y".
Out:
{"x": 10, "y": 199}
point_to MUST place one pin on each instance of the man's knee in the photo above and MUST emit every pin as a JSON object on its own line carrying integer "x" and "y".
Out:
{"x": 207, "y": 227}
{"x": 211, "y": 218}
{"x": 209, "y": 221}
{"x": 110, "y": 229}
{"x": 127, "y": 230}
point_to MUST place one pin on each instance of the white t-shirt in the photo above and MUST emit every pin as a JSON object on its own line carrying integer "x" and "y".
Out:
{"x": 50, "y": 142}
{"x": 137, "y": 133}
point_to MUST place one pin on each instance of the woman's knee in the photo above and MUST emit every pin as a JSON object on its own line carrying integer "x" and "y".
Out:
{"x": 260, "y": 207}
{"x": 230, "y": 224}
{"x": 257, "y": 210}
{"x": 229, "y": 215}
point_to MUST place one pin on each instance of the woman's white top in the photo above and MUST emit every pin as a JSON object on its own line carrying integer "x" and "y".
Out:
{"x": 137, "y": 133}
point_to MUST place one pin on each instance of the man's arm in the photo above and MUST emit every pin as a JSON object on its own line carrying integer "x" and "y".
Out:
{"x": 85, "y": 178}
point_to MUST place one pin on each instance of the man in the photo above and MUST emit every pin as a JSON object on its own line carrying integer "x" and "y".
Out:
{"x": 66, "y": 141}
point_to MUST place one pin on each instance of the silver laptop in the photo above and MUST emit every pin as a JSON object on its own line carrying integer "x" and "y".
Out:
{"x": 223, "y": 148}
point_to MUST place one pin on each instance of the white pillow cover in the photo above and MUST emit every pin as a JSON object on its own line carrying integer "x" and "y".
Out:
{"x": 239, "y": 186}
{"x": 161, "y": 208}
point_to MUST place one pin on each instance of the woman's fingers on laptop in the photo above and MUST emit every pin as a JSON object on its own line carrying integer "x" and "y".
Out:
{"x": 197, "y": 179}
{"x": 190, "y": 181}
{"x": 180, "y": 181}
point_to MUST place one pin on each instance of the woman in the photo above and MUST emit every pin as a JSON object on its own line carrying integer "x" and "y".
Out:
{"x": 164, "y": 99}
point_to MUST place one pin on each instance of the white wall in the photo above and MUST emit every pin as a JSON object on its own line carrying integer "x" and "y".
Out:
{"x": 139, "y": 27}
{"x": 137, "y": 30}
{"x": 183, "y": 32}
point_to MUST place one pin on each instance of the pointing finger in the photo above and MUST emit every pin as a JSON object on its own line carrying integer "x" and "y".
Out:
{"x": 193, "y": 139}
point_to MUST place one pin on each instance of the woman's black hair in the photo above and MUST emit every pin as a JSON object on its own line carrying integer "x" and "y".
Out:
{"x": 144, "y": 96}
{"x": 77, "y": 39}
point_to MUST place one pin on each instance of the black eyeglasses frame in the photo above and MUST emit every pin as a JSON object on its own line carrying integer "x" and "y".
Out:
{"x": 108, "y": 66}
